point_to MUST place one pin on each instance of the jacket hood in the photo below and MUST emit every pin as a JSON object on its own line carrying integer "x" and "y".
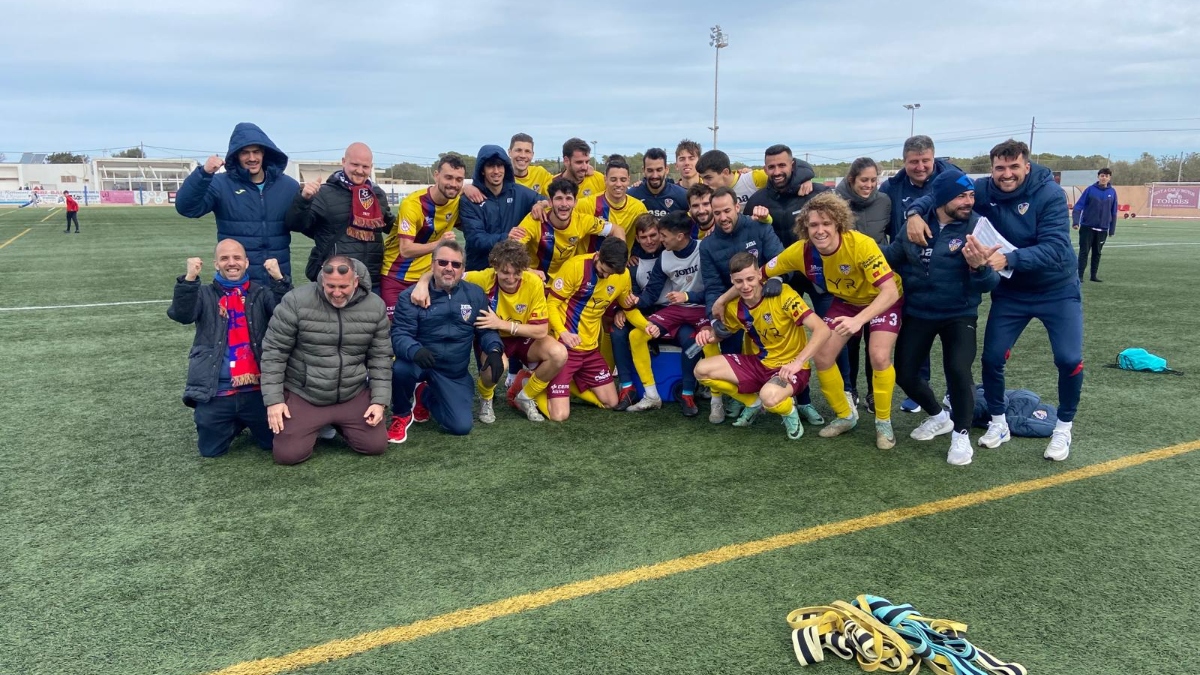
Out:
{"x": 856, "y": 200}
{"x": 489, "y": 152}
{"x": 246, "y": 133}
{"x": 364, "y": 283}
{"x": 1038, "y": 177}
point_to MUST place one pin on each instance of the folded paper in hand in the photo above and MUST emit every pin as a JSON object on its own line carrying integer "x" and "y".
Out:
{"x": 989, "y": 237}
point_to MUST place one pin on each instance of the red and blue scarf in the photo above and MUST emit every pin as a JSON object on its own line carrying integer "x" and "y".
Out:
{"x": 366, "y": 214}
{"x": 243, "y": 368}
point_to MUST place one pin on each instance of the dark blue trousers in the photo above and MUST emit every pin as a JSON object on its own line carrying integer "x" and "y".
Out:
{"x": 222, "y": 418}
{"x": 1063, "y": 319}
{"x": 448, "y": 398}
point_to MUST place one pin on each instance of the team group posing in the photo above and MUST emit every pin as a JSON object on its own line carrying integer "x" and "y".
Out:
{"x": 566, "y": 280}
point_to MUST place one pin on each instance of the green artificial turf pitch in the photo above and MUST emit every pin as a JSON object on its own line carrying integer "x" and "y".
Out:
{"x": 126, "y": 553}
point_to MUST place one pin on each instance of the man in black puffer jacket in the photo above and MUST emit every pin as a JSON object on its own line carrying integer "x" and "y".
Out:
{"x": 327, "y": 360}
{"x": 347, "y": 215}
{"x": 231, "y": 316}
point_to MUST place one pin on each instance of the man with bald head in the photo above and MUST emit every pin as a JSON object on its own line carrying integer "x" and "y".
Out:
{"x": 231, "y": 315}
{"x": 347, "y": 215}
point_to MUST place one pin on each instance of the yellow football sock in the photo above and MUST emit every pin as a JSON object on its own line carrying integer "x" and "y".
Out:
{"x": 832, "y": 386}
{"x": 586, "y": 396}
{"x": 542, "y": 402}
{"x": 884, "y": 381}
{"x": 485, "y": 392}
{"x": 639, "y": 344}
{"x": 712, "y": 349}
{"x": 784, "y": 407}
{"x": 729, "y": 389}
{"x": 635, "y": 318}
{"x": 606, "y": 349}
{"x": 535, "y": 386}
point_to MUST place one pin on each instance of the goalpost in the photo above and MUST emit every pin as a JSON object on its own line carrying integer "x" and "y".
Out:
{"x": 1173, "y": 200}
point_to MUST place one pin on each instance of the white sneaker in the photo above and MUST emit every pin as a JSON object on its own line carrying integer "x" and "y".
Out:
{"x": 647, "y": 403}
{"x": 932, "y": 428}
{"x": 487, "y": 413}
{"x": 327, "y": 433}
{"x": 529, "y": 407}
{"x": 1060, "y": 445}
{"x": 716, "y": 413}
{"x": 997, "y": 433}
{"x": 961, "y": 451}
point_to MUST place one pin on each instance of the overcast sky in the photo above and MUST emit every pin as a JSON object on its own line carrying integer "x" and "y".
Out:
{"x": 416, "y": 78}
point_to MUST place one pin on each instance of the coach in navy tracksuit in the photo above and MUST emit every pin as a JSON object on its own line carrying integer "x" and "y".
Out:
{"x": 658, "y": 193}
{"x": 1028, "y": 209}
{"x": 505, "y": 204}
{"x": 1095, "y": 216}
{"x": 434, "y": 344}
{"x": 250, "y": 199}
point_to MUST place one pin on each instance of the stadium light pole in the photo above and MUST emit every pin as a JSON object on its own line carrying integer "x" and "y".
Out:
{"x": 718, "y": 40}
{"x": 912, "y": 119}
{"x": 594, "y": 155}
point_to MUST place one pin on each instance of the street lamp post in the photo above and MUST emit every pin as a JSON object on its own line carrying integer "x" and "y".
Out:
{"x": 912, "y": 120}
{"x": 595, "y": 157}
{"x": 718, "y": 40}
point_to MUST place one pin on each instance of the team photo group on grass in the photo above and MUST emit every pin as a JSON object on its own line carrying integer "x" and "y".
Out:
{"x": 566, "y": 285}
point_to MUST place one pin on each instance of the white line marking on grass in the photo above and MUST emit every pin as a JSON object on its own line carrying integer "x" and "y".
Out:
{"x": 1181, "y": 243}
{"x": 96, "y": 304}
{"x": 52, "y": 212}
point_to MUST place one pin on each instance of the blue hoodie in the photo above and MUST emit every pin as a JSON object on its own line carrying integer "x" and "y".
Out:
{"x": 1034, "y": 219}
{"x": 903, "y": 193}
{"x": 1097, "y": 209}
{"x": 486, "y": 224}
{"x": 253, "y": 217}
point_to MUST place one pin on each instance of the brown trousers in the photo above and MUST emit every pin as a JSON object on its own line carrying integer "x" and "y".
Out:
{"x": 295, "y": 443}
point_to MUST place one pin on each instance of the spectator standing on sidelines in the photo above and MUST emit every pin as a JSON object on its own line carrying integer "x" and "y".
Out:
{"x": 1095, "y": 216}
{"x": 73, "y": 212}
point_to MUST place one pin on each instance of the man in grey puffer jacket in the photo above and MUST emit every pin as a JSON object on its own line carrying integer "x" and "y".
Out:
{"x": 327, "y": 360}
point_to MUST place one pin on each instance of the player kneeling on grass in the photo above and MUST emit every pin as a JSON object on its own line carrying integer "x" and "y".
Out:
{"x": 778, "y": 366}
{"x": 433, "y": 348}
{"x": 581, "y": 294}
{"x": 849, "y": 265}
{"x": 231, "y": 316}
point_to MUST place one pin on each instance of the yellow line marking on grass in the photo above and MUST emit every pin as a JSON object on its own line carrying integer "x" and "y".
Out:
{"x": 52, "y": 212}
{"x": 472, "y": 616}
{"x": 15, "y": 238}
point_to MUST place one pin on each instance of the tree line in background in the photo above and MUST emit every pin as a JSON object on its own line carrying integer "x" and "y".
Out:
{"x": 1145, "y": 169}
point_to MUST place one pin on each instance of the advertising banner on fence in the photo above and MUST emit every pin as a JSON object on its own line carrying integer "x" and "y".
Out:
{"x": 1175, "y": 197}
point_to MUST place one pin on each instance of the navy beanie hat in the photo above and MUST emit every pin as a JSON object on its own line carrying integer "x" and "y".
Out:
{"x": 950, "y": 184}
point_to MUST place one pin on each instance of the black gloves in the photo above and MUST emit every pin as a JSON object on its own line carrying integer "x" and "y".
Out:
{"x": 772, "y": 287}
{"x": 495, "y": 363}
{"x": 424, "y": 358}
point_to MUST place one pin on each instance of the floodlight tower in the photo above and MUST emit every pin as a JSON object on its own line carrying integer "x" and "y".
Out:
{"x": 718, "y": 40}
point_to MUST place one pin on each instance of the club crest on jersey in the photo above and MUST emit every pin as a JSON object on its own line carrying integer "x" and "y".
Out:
{"x": 449, "y": 216}
{"x": 955, "y": 244}
{"x": 1022, "y": 207}
{"x": 366, "y": 197}
{"x": 669, "y": 202}
{"x": 573, "y": 240}
{"x": 465, "y": 311}
{"x": 766, "y": 317}
{"x": 609, "y": 289}
{"x": 521, "y": 308}
{"x": 844, "y": 269}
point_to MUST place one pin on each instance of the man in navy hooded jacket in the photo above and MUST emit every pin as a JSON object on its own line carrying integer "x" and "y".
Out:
{"x": 505, "y": 204}
{"x": 1028, "y": 209}
{"x": 250, "y": 199}
{"x": 1095, "y": 216}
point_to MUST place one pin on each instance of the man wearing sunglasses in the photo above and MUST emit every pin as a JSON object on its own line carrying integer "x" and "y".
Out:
{"x": 326, "y": 361}
{"x": 433, "y": 347}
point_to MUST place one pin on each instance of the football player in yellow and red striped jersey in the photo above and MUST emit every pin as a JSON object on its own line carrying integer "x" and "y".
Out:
{"x": 426, "y": 218}
{"x": 577, "y": 166}
{"x": 555, "y": 235}
{"x": 776, "y": 365}
{"x": 614, "y": 205}
{"x": 532, "y": 176}
{"x": 580, "y": 295}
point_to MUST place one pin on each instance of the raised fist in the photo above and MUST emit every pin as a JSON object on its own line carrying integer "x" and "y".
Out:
{"x": 309, "y": 189}
{"x": 271, "y": 265}
{"x": 193, "y": 268}
{"x": 212, "y": 164}
{"x": 761, "y": 214}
